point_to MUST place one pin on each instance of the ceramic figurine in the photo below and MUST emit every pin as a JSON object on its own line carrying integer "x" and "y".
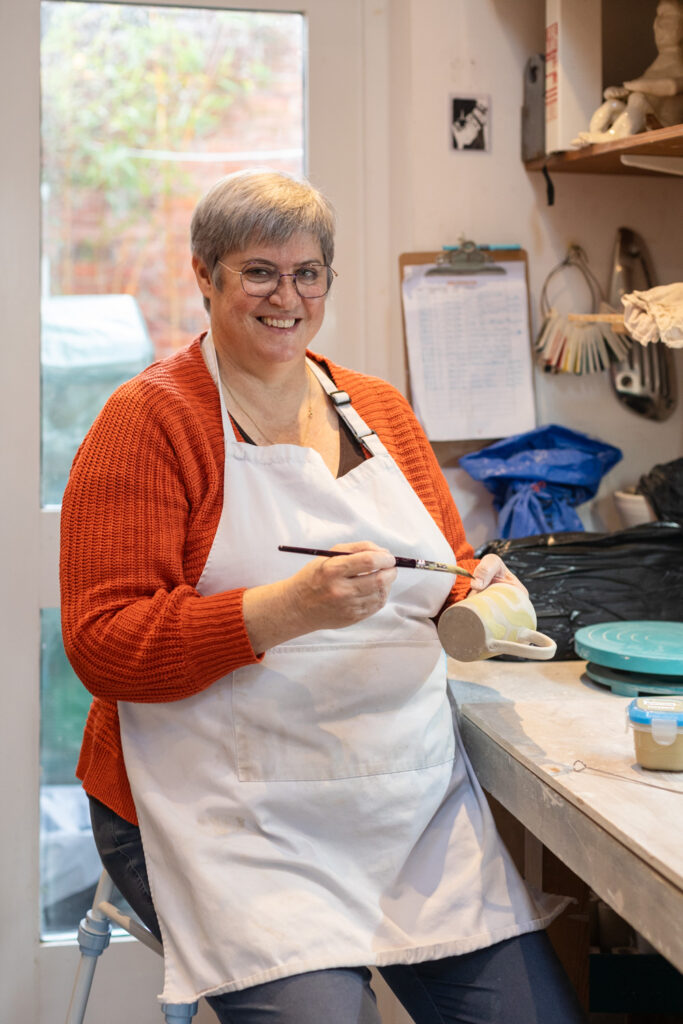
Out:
{"x": 655, "y": 100}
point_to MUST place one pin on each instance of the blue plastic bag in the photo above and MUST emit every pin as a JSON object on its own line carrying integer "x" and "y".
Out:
{"x": 537, "y": 478}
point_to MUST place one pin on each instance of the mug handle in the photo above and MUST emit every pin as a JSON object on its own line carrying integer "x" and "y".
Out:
{"x": 543, "y": 647}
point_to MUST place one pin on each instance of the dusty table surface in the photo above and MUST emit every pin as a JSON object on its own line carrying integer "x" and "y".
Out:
{"x": 617, "y": 825}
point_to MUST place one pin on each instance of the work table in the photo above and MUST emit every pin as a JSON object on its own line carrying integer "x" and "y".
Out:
{"x": 524, "y": 725}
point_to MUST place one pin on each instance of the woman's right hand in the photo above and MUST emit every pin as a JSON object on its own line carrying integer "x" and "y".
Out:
{"x": 327, "y": 593}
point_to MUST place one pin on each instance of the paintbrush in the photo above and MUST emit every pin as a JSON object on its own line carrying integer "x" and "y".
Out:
{"x": 401, "y": 562}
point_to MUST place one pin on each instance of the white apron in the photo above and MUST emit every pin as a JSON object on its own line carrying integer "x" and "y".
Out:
{"x": 317, "y": 810}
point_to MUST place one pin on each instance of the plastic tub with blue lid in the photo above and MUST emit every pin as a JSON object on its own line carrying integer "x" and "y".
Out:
{"x": 657, "y": 724}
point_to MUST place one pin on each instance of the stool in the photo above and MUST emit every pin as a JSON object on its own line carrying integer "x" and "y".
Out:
{"x": 94, "y": 933}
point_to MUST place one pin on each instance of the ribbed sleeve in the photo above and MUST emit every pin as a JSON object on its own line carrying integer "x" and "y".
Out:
{"x": 139, "y": 516}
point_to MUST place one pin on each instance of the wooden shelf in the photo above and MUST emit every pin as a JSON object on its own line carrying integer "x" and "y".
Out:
{"x": 605, "y": 157}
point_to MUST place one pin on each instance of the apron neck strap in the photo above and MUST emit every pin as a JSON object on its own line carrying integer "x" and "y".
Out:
{"x": 211, "y": 360}
{"x": 342, "y": 404}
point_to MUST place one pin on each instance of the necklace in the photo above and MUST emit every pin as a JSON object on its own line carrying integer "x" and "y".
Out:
{"x": 309, "y": 414}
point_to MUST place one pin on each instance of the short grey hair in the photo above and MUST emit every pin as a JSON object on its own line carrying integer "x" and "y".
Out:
{"x": 258, "y": 206}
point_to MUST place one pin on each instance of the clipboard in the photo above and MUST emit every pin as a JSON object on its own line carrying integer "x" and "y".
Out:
{"x": 467, "y": 341}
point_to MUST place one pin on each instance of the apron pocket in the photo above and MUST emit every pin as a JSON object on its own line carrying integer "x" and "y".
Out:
{"x": 312, "y": 712}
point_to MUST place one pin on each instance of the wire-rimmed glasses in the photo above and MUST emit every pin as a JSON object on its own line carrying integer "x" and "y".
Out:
{"x": 260, "y": 280}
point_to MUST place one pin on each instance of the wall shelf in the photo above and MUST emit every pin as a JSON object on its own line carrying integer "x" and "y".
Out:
{"x": 605, "y": 157}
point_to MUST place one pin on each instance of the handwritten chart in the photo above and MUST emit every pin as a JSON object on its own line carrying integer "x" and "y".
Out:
{"x": 469, "y": 351}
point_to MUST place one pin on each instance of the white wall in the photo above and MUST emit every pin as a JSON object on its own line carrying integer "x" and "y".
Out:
{"x": 441, "y": 47}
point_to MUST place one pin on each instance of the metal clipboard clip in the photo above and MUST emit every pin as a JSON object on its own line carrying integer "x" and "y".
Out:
{"x": 465, "y": 258}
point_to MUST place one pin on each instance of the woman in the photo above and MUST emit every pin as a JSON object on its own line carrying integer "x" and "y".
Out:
{"x": 277, "y": 726}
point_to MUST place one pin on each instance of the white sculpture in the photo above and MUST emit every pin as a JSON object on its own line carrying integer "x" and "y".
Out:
{"x": 653, "y": 100}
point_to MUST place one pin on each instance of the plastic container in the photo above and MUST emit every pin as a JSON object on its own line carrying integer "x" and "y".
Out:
{"x": 657, "y": 724}
{"x": 633, "y": 508}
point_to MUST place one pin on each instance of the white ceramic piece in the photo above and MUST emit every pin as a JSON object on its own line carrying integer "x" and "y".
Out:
{"x": 498, "y": 620}
{"x": 655, "y": 99}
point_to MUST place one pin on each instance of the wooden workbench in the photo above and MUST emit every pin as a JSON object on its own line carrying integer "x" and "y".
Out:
{"x": 524, "y": 725}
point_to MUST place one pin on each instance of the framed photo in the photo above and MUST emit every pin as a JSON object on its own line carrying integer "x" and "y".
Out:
{"x": 470, "y": 122}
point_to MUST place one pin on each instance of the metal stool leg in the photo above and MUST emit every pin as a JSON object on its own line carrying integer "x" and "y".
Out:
{"x": 176, "y": 1013}
{"x": 94, "y": 932}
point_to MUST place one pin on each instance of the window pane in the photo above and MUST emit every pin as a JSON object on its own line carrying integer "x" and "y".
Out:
{"x": 142, "y": 109}
{"x": 70, "y": 865}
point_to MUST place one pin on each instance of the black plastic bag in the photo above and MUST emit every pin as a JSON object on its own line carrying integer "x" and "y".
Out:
{"x": 663, "y": 488}
{"x": 578, "y": 579}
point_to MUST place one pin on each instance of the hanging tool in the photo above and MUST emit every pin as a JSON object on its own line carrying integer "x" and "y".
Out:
{"x": 644, "y": 380}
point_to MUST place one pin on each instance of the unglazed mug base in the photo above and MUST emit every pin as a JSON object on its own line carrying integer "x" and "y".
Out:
{"x": 463, "y": 632}
{"x": 498, "y": 620}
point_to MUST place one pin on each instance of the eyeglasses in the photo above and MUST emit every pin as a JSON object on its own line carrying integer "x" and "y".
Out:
{"x": 261, "y": 281}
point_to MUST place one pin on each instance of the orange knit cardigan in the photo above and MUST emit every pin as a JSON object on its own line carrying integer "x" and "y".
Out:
{"x": 138, "y": 519}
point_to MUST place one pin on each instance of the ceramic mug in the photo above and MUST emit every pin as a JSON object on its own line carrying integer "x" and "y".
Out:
{"x": 498, "y": 620}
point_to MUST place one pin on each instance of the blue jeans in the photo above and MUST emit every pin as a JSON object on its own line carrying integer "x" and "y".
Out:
{"x": 518, "y": 981}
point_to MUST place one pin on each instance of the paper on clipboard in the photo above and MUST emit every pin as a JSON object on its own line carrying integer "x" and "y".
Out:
{"x": 469, "y": 351}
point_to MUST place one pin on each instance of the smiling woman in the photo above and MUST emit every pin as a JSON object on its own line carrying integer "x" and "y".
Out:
{"x": 291, "y": 320}
{"x": 240, "y": 694}
{"x": 261, "y": 245}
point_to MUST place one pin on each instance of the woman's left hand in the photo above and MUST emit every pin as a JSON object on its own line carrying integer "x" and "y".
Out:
{"x": 492, "y": 569}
